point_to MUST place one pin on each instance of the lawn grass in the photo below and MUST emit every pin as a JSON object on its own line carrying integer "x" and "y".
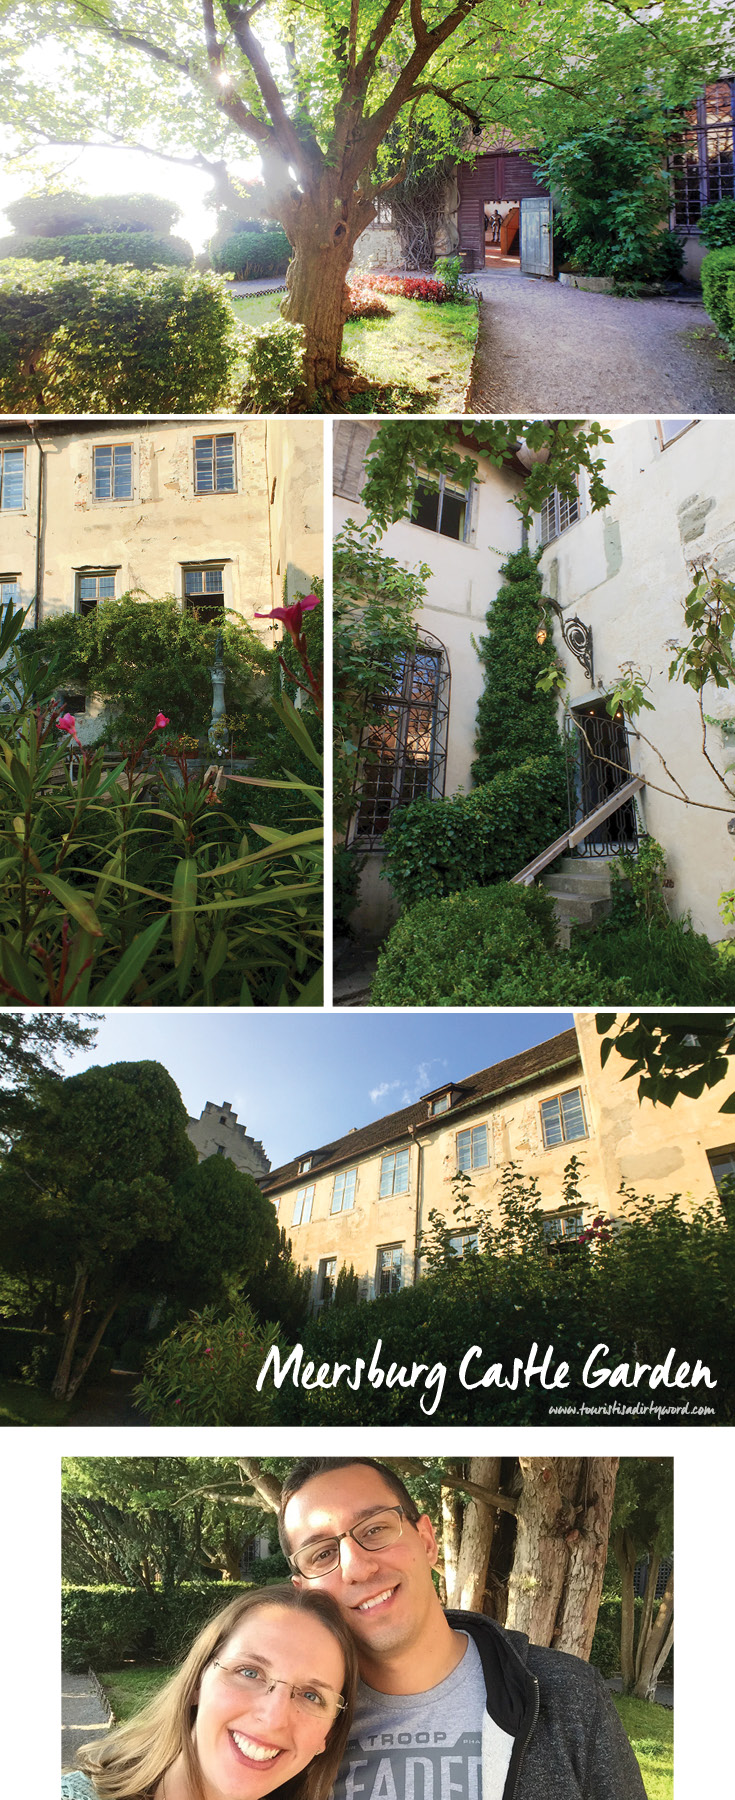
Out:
{"x": 130, "y": 1688}
{"x": 422, "y": 354}
{"x": 649, "y": 1727}
{"x": 651, "y": 1732}
{"x": 21, "y": 1404}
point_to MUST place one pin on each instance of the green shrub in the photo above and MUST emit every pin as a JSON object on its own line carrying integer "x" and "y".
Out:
{"x": 253, "y": 255}
{"x": 66, "y": 214}
{"x": 347, "y": 868}
{"x": 718, "y": 289}
{"x": 91, "y": 338}
{"x": 515, "y": 718}
{"x": 614, "y": 193}
{"x": 487, "y": 947}
{"x": 23, "y": 1348}
{"x": 140, "y": 248}
{"x": 274, "y": 355}
{"x": 717, "y": 224}
{"x": 436, "y": 847}
{"x": 204, "y": 1373}
{"x": 664, "y": 964}
{"x": 103, "y": 1626}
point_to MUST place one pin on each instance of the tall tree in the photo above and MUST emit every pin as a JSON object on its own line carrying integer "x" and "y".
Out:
{"x": 30, "y": 1047}
{"x": 642, "y": 1527}
{"x": 141, "y": 1521}
{"x": 317, "y": 92}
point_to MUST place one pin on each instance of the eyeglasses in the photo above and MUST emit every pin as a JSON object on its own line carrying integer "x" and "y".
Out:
{"x": 377, "y": 1532}
{"x": 250, "y": 1681}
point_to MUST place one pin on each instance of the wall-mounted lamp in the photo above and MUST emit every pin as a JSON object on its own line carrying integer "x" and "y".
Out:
{"x": 576, "y": 635}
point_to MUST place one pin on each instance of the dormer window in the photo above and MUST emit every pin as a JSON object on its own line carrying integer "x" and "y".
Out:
{"x": 441, "y": 1104}
{"x": 305, "y": 1166}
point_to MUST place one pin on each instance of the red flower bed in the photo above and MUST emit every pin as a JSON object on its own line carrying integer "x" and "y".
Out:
{"x": 363, "y": 302}
{"x": 409, "y": 287}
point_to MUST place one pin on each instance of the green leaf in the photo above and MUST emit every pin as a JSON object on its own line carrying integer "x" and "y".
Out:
{"x": 183, "y": 898}
{"x": 73, "y": 903}
{"x": 113, "y": 991}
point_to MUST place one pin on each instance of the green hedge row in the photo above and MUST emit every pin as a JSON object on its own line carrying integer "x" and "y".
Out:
{"x": 718, "y": 290}
{"x": 141, "y": 248}
{"x": 435, "y": 847}
{"x": 100, "y": 1626}
{"x": 91, "y": 338}
{"x": 253, "y": 255}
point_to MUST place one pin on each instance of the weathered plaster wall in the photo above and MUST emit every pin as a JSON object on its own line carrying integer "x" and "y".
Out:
{"x": 294, "y": 470}
{"x": 626, "y": 572}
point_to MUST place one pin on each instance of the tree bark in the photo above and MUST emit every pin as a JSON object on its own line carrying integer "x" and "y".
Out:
{"x": 476, "y": 1540}
{"x": 92, "y": 1348}
{"x": 72, "y": 1328}
{"x": 451, "y": 1536}
{"x": 625, "y": 1555}
{"x": 587, "y": 1546}
{"x": 322, "y": 228}
{"x": 656, "y": 1650}
{"x": 654, "y": 1564}
{"x": 541, "y": 1555}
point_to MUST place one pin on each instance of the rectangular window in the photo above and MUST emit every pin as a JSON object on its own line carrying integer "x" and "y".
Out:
{"x": 204, "y": 592}
{"x": 9, "y": 590}
{"x": 702, "y": 164}
{"x": 214, "y": 465}
{"x": 403, "y": 753}
{"x": 343, "y": 1197}
{"x": 671, "y": 429}
{"x": 302, "y": 1206}
{"x": 443, "y": 508}
{"x": 113, "y": 472}
{"x": 305, "y": 1166}
{"x": 570, "y": 1226}
{"x": 326, "y": 1280}
{"x": 12, "y": 471}
{"x": 563, "y": 1118}
{"x": 91, "y": 589}
{"x": 441, "y": 1105}
{"x": 394, "y": 1174}
{"x": 390, "y": 1270}
{"x": 558, "y": 512}
{"x": 472, "y": 1148}
{"x": 722, "y": 1164}
{"x": 464, "y": 1243}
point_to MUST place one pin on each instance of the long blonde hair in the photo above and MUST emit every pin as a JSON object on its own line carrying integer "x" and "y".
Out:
{"x": 132, "y": 1760}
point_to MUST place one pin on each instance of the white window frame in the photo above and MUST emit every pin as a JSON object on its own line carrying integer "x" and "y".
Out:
{"x": 558, "y": 514}
{"x": 302, "y": 1206}
{"x": 113, "y": 499}
{"x": 470, "y": 1131}
{"x": 558, "y": 1226}
{"x": 343, "y": 1195}
{"x": 84, "y": 604}
{"x": 10, "y": 590}
{"x": 556, "y": 1100}
{"x": 13, "y": 450}
{"x": 666, "y": 439}
{"x": 445, "y": 485}
{"x": 393, "y": 1156}
{"x": 389, "y": 1250}
{"x": 213, "y": 438}
{"x": 189, "y": 601}
{"x": 463, "y": 1241}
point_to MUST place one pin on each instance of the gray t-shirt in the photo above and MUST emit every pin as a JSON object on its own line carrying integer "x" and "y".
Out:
{"x": 418, "y": 1746}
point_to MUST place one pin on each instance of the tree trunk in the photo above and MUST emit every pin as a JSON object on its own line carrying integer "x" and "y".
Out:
{"x": 656, "y": 1650}
{"x": 626, "y": 1559}
{"x": 71, "y": 1332}
{"x": 92, "y": 1348}
{"x": 322, "y": 228}
{"x": 654, "y": 1564}
{"x": 587, "y": 1543}
{"x": 477, "y": 1537}
{"x": 451, "y": 1536}
{"x": 541, "y": 1556}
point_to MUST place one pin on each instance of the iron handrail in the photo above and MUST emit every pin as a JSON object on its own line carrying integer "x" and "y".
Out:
{"x": 577, "y": 833}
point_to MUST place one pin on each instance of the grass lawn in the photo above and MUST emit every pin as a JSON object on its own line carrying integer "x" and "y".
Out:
{"x": 651, "y": 1732}
{"x": 24, "y": 1405}
{"x": 130, "y": 1688}
{"x": 650, "y": 1728}
{"x": 423, "y": 353}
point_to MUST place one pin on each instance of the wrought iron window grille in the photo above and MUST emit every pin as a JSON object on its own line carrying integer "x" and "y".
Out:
{"x": 403, "y": 753}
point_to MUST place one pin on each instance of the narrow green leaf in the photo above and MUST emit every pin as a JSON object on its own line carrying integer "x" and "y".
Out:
{"x": 114, "y": 989}
{"x": 73, "y": 903}
{"x": 183, "y": 897}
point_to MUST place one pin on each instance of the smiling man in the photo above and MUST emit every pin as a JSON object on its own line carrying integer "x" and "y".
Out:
{"x": 450, "y": 1706}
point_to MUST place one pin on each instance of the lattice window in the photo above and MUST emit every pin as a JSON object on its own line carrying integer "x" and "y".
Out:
{"x": 563, "y": 1118}
{"x": 343, "y": 1195}
{"x": 558, "y": 512}
{"x": 472, "y": 1148}
{"x": 113, "y": 471}
{"x": 403, "y": 752}
{"x": 568, "y": 1226}
{"x": 702, "y": 165}
{"x": 204, "y": 592}
{"x": 9, "y": 590}
{"x": 390, "y": 1269}
{"x": 12, "y": 482}
{"x": 214, "y": 465}
{"x": 93, "y": 588}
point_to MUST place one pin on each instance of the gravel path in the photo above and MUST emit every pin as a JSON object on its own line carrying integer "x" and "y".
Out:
{"x": 553, "y": 350}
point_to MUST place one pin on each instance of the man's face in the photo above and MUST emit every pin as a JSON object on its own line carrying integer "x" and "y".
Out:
{"x": 388, "y": 1595}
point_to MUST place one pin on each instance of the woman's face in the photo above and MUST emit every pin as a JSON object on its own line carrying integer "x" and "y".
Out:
{"x": 249, "y": 1737}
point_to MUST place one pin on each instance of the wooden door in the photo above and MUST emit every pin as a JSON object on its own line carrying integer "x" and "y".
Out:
{"x": 537, "y": 237}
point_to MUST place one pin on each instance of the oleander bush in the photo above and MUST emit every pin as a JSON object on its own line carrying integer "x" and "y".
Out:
{"x": 89, "y": 337}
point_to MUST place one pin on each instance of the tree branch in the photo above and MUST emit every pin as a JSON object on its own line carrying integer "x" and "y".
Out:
{"x": 267, "y": 1486}
{"x": 294, "y": 144}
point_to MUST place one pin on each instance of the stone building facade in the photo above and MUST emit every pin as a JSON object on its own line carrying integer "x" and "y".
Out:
{"x": 217, "y": 1133}
{"x": 365, "y": 1198}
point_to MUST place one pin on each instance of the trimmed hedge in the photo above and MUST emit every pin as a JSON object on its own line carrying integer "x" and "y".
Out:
{"x": 718, "y": 290}
{"x": 439, "y": 847}
{"x": 487, "y": 947}
{"x": 102, "y": 1625}
{"x": 64, "y": 214}
{"x": 141, "y": 248}
{"x": 253, "y": 255}
{"x": 91, "y": 338}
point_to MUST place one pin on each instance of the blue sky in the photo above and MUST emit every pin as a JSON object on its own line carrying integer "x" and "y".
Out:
{"x": 296, "y": 1081}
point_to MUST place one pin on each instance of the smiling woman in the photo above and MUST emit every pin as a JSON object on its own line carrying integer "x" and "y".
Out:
{"x": 264, "y": 1698}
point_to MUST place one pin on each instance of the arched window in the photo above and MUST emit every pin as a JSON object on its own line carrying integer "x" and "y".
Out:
{"x": 403, "y": 751}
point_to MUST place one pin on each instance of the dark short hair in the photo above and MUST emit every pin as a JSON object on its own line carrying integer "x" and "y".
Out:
{"x": 311, "y": 1466}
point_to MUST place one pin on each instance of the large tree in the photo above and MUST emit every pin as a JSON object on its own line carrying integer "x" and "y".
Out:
{"x": 332, "y": 94}
{"x": 141, "y": 1521}
{"x": 643, "y": 1528}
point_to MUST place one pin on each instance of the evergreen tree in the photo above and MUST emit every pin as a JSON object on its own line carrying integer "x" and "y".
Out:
{"x": 514, "y": 720}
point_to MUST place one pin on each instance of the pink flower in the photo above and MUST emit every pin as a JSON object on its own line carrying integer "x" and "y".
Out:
{"x": 160, "y": 721}
{"x": 177, "y": 1402}
{"x": 67, "y": 722}
{"x": 291, "y": 616}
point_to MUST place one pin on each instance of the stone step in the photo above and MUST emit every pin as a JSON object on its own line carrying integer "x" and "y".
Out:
{"x": 595, "y": 883}
{"x": 579, "y": 909}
